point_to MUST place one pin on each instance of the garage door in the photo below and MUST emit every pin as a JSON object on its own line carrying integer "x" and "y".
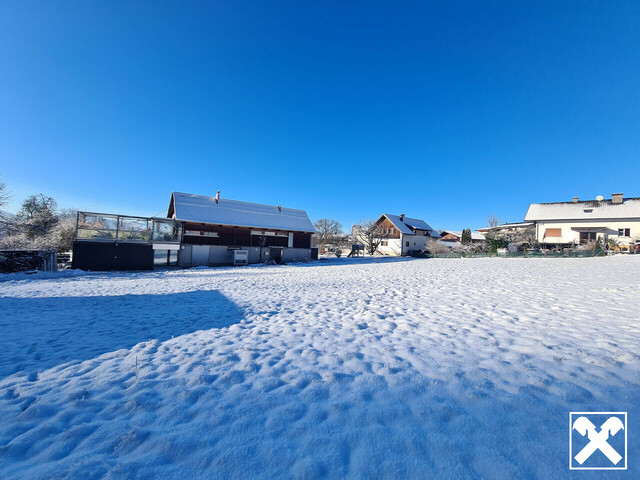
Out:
{"x": 199, "y": 255}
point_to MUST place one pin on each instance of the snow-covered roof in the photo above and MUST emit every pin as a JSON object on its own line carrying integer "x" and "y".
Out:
{"x": 585, "y": 210}
{"x": 202, "y": 209}
{"x": 474, "y": 235}
{"x": 505, "y": 226}
{"x": 407, "y": 225}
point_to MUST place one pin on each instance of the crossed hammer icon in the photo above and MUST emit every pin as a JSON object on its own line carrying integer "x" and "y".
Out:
{"x": 598, "y": 440}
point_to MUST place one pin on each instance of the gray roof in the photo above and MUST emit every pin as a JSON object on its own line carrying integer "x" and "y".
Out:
{"x": 407, "y": 225}
{"x": 586, "y": 210}
{"x": 203, "y": 209}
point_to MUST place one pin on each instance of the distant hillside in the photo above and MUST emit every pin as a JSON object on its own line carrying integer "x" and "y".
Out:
{"x": 7, "y": 215}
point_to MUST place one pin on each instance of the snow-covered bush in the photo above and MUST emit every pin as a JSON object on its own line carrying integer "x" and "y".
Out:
{"x": 436, "y": 246}
{"x": 586, "y": 246}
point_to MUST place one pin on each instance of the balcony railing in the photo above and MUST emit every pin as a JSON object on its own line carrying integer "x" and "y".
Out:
{"x": 104, "y": 227}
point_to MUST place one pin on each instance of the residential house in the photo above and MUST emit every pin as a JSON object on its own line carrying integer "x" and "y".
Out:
{"x": 401, "y": 235}
{"x": 575, "y": 222}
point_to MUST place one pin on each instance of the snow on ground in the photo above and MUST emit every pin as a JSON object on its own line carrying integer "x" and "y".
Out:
{"x": 397, "y": 368}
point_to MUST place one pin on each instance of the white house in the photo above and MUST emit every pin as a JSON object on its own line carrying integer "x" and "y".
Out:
{"x": 575, "y": 222}
{"x": 400, "y": 235}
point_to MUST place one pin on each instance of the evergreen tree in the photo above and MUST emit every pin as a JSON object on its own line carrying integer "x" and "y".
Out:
{"x": 466, "y": 236}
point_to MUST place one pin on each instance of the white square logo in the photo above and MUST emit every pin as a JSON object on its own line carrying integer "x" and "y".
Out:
{"x": 598, "y": 440}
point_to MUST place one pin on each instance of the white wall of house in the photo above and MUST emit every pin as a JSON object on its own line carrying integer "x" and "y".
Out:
{"x": 393, "y": 246}
{"x": 398, "y": 246}
{"x": 567, "y": 235}
{"x": 416, "y": 242}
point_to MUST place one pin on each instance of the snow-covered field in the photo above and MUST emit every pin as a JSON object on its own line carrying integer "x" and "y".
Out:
{"x": 451, "y": 368}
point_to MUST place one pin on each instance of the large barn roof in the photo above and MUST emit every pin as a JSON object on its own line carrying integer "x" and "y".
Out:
{"x": 585, "y": 210}
{"x": 187, "y": 207}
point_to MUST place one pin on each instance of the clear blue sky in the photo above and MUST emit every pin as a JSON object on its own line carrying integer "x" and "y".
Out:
{"x": 441, "y": 110}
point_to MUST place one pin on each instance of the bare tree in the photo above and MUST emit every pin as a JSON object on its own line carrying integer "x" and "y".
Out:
{"x": 5, "y": 196}
{"x": 327, "y": 230}
{"x": 493, "y": 221}
{"x": 370, "y": 234}
{"x": 38, "y": 214}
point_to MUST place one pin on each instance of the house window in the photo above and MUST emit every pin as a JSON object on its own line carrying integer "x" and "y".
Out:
{"x": 553, "y": 232}
{"x": 384, "y": 243}
{"x": 407, "y": 244}
{"x": 624, "y": 232}
{"x": 586, "y": 237}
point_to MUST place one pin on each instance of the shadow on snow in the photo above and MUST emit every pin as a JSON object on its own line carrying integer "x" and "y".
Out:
{"x": 41, "y": 333}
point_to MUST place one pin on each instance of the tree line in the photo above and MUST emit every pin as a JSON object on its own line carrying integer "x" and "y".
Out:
{"x": 39, "y": 224}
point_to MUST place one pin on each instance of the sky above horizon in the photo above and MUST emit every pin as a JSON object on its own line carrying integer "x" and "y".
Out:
{"x": 445, "y": 111}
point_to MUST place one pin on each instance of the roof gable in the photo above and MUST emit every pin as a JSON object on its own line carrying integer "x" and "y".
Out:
{"x": 407, "y": 225}
{"x": 202, "y": 209}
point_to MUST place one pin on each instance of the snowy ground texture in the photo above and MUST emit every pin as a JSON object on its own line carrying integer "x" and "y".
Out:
{"x": 450, "y": 368}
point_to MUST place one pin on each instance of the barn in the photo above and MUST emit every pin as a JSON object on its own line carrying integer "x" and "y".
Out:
{"x": 216, "y": 230}
{"x": 199, "y": 231}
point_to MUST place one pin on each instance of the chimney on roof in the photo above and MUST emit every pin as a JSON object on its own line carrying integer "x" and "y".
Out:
{"x": 616, "y": 198}
{"x": 402, "y": 217}
{"x": 218, "y": 196}
{"x": 576, "y": 199}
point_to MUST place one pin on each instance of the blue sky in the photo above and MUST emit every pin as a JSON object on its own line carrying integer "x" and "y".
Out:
{"x": 441, "y": 110}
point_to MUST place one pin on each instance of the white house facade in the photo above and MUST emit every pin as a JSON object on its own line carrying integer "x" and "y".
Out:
{"x": 576, "y": 222}
{"x": 401, "y": 235}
